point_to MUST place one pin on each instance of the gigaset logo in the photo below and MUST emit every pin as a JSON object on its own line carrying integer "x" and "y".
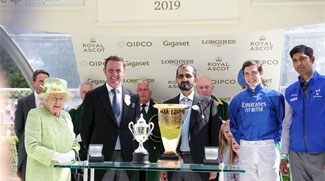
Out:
{"x": 136, "y": 63}
{"x": 96, "y": 82}
{"x": 176, "y": 43}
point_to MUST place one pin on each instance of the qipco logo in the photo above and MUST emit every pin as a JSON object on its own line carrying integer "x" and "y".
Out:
{"x": 139, "y": 44}
{"x": 269, "y": 62}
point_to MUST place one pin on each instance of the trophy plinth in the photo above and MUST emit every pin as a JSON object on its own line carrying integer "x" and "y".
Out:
{"x": 140, "y": 158}
{"x": 169, "y": 157}
{"x": 141, "y": 131}
{"x": 170, "y": 125}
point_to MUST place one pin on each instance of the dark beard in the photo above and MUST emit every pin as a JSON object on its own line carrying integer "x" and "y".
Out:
{"x": 185, "y": 86}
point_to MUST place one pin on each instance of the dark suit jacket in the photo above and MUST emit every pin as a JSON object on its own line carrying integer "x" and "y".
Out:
{"x": 204, "y": 127}
{"x": 98, "y": 124}
{"x": 154, "y": 140}
{"x": 24, "y": 105}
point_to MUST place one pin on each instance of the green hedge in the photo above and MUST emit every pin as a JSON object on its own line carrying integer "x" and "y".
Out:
{"x": 12, "y": 142}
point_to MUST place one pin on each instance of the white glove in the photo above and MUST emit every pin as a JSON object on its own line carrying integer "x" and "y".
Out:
{"x": 79, "y": 138}
{"x": 64, "y": 157}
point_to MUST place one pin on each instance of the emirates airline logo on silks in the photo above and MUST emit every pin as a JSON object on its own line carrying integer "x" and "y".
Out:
{"x": 317, "y": 93}
{"x": 295, "y": 98}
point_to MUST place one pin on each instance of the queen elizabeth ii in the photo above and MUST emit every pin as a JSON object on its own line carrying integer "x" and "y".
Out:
{"x": 49, "y": 136}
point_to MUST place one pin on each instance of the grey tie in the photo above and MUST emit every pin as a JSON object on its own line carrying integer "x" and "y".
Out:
{"x": 185, "y": 111}
{"x": 116, "y": 104}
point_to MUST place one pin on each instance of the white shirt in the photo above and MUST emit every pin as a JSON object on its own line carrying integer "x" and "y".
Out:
{"x": 37, "y": 101}
{"x": 146, "y": 108}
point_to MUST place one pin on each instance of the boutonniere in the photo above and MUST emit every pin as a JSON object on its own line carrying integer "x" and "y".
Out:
{"x": 195, "y": 107}
{"x": 127, "y": 100}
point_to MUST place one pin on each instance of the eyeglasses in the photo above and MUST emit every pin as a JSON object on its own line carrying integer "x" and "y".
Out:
{"x": 58, "y": 99}
{"x": 181, "y": 76}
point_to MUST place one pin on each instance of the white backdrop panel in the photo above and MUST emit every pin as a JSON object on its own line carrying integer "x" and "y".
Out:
{"x": 156, "y": 59}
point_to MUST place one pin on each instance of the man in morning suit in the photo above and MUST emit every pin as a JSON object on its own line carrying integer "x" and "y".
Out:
{"x": 201, "y": 125}
{"x": 152, "y": 145}
{"x": 107, "y": 111}
{"x": 24, "y": 105}
{"x": 205, "y": 88}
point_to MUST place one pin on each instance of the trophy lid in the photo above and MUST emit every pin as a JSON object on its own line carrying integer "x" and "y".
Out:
{"x": 141, "y": 120}
{"x": 173, "y": 106}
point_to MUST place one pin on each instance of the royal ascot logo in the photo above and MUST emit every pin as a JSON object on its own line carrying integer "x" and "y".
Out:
{"x": 172, "y": 84}
{"x": 261, "y": 45}
{"x": 136, "y": 63}
{"x": 93, "y": 46}
{"x": 174, "y": 44}
{"x": 96, "y": 81}
{"x": 135, "y": 81}
{"x": 218, "y": 65}
{"x": 177, "y": 61}
{"x": 218, "y": 43}
{"x": 134, "y": 44}
{"x": 223, "y": 81}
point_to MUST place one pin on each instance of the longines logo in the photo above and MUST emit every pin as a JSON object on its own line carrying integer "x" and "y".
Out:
{"x": 134, "y": 81}
{"x": 218, "y": 43}
{"x": 218, "y": 65}
{"x": 223, "y": 81}
{"x": 172, "y": 84}
{"x": 136, "y": 63}
{"x": 177, "y": 62}
{"x": 176, "y": 43}
{"x": 269, "y": 62}
{"x": 96, "y": 82}
{"x": 261, "y": 45}
{"x": 93, "y": 46}
{"x": 134, "y": 44}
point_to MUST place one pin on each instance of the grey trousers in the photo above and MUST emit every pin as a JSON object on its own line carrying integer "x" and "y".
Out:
{"x": 116, "y": 175}
{"x": 307, "y": 166}
{"x": 186, "y": 176}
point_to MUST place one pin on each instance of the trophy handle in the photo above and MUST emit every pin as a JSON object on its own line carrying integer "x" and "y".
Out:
{"x": 151, "y": 126}
{"x": 131, "y": 125}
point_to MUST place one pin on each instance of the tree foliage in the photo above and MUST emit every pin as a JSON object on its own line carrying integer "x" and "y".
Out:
{"x": 11, "y": 71}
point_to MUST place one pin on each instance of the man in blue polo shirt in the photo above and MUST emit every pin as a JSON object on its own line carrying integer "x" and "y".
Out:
{"x": 303, "y": 135}
{"x": 256, "y": 115}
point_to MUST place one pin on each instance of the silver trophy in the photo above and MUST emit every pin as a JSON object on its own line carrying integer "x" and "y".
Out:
{"x": 141, "y": 131}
